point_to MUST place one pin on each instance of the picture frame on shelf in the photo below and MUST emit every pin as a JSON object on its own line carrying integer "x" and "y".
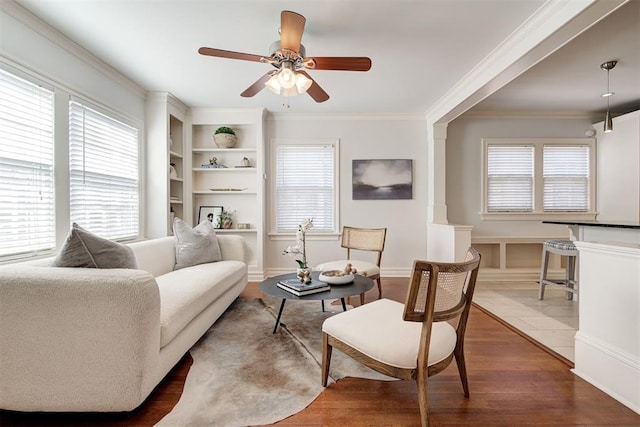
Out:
{"x": 211, "y": 213}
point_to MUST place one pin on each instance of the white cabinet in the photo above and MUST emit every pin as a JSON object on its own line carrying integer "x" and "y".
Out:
{"x": 234, "y": 186}
{"x": 166, "y": 134}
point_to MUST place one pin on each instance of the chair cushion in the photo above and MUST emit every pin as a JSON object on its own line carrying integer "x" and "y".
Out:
{"x": 377, "y": 330}
{"x": 561, "y": 246}
{"x": 367, "y": 269}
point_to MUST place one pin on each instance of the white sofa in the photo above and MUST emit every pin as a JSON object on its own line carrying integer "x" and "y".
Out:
{"x": 88, "y": 339}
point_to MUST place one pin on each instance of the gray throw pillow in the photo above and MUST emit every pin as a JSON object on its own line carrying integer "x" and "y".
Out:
{"x": 195, "y": 246}
{"x": 84, "y": 249}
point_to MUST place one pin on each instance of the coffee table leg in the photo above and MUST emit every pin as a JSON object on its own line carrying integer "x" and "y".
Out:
{"x": 275, "y": 328}
{"x": 344, "y": 306}
{"x": 322, "y": 302}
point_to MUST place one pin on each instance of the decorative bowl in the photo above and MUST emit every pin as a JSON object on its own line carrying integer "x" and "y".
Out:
{"x": 332, "y": 277}
{"x": 225, "y": 140}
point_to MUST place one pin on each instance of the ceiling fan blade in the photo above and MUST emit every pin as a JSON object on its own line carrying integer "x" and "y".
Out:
{"x": 291, "y": 28}
{"x": 315, "y": 91}
{"x": 341, "y": 63}
{"x": 257, "y": 86}
{"x": 230, "y": 54}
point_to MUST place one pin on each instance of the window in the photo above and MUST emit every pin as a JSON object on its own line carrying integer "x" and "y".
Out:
{"x": 566, "y": 178}
{"x": 27, "y": 217}
{"x": 103, "y": 165}
{"x": 509, "y": 178}
{"x": 538, "y": 177}
{"x": 305, "y": 186}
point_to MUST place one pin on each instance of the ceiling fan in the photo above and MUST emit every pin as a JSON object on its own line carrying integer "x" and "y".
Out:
{"x": 288, "y": 57}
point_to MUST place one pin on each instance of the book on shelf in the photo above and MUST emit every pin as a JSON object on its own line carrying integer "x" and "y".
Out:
{"x": 304, "y": 292}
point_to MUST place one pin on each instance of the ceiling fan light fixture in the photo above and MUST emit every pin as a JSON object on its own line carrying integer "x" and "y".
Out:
{"x": 303, "y": 83}
{"x": 287, "y": 75}
{"x": 273, "y": 85}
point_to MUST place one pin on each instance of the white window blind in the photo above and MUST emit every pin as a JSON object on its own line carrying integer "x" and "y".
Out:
{"x": 305, "y": 186}
{"x": 566, "y": 178}
{"x": 103, "y": 164}
{"x": 27, "y": 216}
{"x": 510, "y": 178}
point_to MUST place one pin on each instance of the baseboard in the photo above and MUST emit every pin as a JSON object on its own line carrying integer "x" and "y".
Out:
{"x": 608, "y": 368}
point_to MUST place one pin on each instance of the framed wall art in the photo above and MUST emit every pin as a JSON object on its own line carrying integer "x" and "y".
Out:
{"x": 382, "y": 179}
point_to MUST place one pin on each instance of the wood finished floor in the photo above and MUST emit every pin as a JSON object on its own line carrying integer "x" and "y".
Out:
{"x": 513, "y": 382}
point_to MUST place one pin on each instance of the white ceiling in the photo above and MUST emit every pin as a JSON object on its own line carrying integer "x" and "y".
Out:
{"x": 419, "y": 50}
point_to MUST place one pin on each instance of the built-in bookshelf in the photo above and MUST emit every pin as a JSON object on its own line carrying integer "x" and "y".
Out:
{"x": 237, "y": 184}
{"x": 514, "y": 258}
{"x": 166, "y": 181}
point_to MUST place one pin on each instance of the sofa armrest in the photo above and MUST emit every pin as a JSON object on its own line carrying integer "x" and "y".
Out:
{"x": 77, "y": 339}
{"x": 233, "y": 248}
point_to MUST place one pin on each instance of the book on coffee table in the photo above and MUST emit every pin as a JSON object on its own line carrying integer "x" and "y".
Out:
{"x": 300, "y": 289}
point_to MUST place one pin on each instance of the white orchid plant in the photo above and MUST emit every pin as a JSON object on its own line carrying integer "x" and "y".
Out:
{"x": 299, "y": 251}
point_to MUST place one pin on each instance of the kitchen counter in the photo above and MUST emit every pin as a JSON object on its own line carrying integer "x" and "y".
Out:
{"x": 594, "y": 231}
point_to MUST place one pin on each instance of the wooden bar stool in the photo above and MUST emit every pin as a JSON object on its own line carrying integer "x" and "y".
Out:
{"x": 563, "y": 248}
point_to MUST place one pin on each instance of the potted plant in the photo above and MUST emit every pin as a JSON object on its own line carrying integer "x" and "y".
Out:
{"x": 226, "y": 219}
{"x": 225, "y": 137}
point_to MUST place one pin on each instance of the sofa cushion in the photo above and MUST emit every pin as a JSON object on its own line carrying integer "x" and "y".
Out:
{"x": 195, "y": 246}
{"x": 85, "y": 249}
{"x": 157, "y": 256}
{"x": 203, "y": 284}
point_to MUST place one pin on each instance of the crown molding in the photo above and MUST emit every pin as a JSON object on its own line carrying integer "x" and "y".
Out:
{"x": 346, "y": 116}
{"x": 528, "y": 114}
{"x": 13, "y": 9}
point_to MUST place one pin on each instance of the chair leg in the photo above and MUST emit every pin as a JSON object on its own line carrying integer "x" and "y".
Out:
{"x": 379, "y": 280}
{"x": 326, "y": 358}
{"x": 362, "y": 299}
{"x": 543, "y": 271}
{"x": 462, "y": 369}
{"x": 569, "y": 276}
{"x": 423, "y": 397}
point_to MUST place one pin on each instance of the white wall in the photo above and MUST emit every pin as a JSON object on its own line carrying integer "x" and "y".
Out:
{"x": 618, "y": 158}
{"x": 464, "y": 169}
{"x": 384, "y": 137}
{"x": 42, "y": 51}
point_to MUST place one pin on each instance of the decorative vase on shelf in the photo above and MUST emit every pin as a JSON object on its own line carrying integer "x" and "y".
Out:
{"x": 227, "y": 223}
{"x": 225, "y": 137}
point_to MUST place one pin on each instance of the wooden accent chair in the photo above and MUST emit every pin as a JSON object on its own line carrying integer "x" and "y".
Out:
{"x": 412, "y": 341}
{"x": 361, "y": 239}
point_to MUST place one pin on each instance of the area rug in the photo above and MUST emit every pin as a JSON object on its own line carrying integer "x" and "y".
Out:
{"x": 243, "y": 374}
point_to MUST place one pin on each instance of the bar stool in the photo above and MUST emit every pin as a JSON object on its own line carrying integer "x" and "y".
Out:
{"x": 563, "y": 248}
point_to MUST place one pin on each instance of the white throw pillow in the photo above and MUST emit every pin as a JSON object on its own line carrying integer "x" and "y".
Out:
{"x": 195, "y": 246}
{"x": 85, "y": 249}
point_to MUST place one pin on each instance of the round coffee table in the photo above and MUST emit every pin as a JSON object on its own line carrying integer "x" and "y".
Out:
{"x": 270, "y": 287}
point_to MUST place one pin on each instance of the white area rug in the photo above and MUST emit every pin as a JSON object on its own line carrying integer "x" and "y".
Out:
{"x": 243, "y": 374}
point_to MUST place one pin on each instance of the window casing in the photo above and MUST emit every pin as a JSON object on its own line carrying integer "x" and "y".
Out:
{"x": 27, "y": 195}
{"x": 305, "y": 186}
{"x": 538, "y": 178}
{"x": 103, "y": 170}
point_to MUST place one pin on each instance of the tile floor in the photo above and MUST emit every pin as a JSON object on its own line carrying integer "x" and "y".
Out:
{"x": 552, "y": 322}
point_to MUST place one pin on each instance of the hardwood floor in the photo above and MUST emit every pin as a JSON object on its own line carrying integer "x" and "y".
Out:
{"x": 512, "y": 382}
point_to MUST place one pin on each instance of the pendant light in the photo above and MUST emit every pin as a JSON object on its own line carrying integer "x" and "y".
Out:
{"x": 608, "y": 122}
